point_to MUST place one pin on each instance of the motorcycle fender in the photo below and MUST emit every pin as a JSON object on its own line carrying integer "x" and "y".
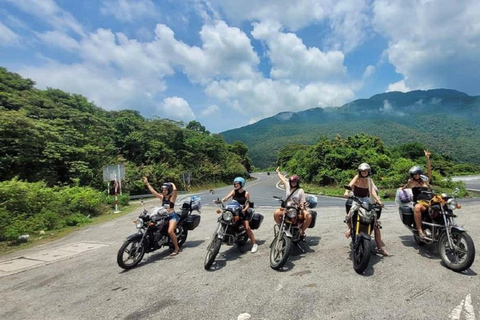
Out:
{"x": 459, "y": 228}
{"x": 136, "y": 236}
{"x": 366, "y": 236}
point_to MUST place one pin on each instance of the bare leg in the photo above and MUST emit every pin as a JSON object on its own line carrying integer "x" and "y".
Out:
{"x": 417, "y": 214}
{"x": 172, "y": 224}
{"x": 308, "y": 220}
{"x": 249, "y": 231}
{"x": 277, "y": 216}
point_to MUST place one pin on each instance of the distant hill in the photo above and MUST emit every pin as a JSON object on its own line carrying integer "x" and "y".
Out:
{"x": 446, "y": 121}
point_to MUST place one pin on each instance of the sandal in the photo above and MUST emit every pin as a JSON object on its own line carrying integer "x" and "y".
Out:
{"x": 382, "y": 252}
{"x": 174, "y": 253}
{"x": 303, "y": 237}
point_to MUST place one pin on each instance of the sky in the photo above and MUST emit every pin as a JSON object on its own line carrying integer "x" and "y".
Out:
{"x": 230, "y": 63}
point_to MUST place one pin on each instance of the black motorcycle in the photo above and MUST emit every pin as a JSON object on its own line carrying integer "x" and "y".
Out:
{"x": 153, "y": 232}
{"x": 455, "y": 246}
{"x": 230, "y": 229}
{"x": 363, "y": 217}
{"x": 289, "y": 231}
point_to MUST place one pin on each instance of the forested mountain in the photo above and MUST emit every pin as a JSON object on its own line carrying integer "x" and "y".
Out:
{"x": 446, "y": 121}
{"x": 63, "y": 139}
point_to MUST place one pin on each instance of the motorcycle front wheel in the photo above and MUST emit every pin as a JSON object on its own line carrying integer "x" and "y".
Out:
{"x": 280, "y": 250}
{"x": 361, "y": 254}
{"x": 212, "y": 251}
{"x": 461, "y": 256}
{"x": 130, "y": 254}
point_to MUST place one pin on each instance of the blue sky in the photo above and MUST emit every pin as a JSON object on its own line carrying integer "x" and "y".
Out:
{"x": 229, "y": 63}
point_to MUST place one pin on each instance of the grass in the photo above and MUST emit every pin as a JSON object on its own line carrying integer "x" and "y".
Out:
{"x": 7, "y": 247}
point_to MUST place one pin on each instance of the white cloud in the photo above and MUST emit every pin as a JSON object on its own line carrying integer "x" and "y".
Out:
{"x": 100, "y": 85}
{"x": 59, "y": 39}
{"x": 7, "y": 36}
{"x": 176, "y": 108}
{"x": 129, "y": 10}
{"x": 226, "y": 52}
{"x": 212, "y": 109}
{"x": 432, "y": 43}
{"x": 398, "y": 86}
{"x": 48, "y": 11}
{"x": 348, "y": 21}
{"x": 261, "y": 97}
{"x": 292, "y": 60}
{"x": 368, "y": 72}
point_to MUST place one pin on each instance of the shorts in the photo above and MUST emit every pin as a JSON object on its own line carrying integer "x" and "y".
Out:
{"x": 173, "y": 216}
{"x": 424, "y": 203}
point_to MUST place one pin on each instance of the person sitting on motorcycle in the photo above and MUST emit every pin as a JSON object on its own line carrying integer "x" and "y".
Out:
{"x": 296, "y": 194}
{"x": 243, "y": 198}
{"x": 365, "y": 189}
{"x": 168, "y": 198}
{"x": 418, "y": 183}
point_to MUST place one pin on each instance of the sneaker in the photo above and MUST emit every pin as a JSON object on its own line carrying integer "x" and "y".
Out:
{"x": 254, "y": 248}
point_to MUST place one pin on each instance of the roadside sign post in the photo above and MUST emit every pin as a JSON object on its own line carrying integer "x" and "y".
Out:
{"x": 114, "y": 173}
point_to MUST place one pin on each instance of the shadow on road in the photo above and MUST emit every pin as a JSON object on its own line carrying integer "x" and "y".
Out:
{"x": 231, "y": 254}
{"x": 296, "y": 253}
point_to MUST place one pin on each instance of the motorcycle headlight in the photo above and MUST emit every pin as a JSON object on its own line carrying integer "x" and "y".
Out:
{"x": 291, "y": 213}
{"x": 139, "y": 223}
{"x": 227, "y": 215}
{"x": 452, "y": 204}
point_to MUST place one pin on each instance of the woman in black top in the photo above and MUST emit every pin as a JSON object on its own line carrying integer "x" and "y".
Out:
{"x": 168, "y": 198}
{"x": 243, "y": 198}
{"x": 418, "y": 184}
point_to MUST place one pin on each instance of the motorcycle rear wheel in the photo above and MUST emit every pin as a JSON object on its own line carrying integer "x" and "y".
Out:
{"x": 461, "y": 257}
{"x": 361, "y": 255}
{"x": 212, "y": 252}
{"x": 134, "y": 251}
{"x": 280, "y": 250}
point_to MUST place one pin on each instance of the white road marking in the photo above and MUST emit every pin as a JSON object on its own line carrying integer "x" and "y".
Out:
{"x": 466, "y": 305}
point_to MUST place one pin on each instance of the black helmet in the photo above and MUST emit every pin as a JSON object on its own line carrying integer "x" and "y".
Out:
{"x": 415, "y": 170}
{"x": 167, "y": 186}
{"x": 364, "y": 166}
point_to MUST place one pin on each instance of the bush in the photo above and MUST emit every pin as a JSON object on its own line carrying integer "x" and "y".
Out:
{"x": 77, "y": 219}
{"x": 26, "y": 208}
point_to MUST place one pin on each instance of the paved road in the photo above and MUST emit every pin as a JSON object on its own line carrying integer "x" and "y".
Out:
{"x": 320, "y": 284}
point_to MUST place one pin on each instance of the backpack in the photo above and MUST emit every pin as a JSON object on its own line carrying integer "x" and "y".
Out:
{"x": 404, "y": 195}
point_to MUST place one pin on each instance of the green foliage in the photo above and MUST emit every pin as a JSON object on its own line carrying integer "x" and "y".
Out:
{"x": 334, "y": 162}
{"x": 63, "y": 139}
{"x": 26, "y": 208}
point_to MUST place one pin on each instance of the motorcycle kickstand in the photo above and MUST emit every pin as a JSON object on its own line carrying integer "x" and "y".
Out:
{"x": 299, "y": 247}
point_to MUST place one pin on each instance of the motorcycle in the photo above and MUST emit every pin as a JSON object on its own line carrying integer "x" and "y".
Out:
{"x": 455, "y": 246}
{"x": 289, "y": 231}
{"x": 152, "y": 232}
{"x": 230, "y": 229}
{"x": 363, "y": 218}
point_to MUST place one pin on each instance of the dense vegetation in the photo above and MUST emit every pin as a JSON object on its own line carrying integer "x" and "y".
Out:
{"x": 61, "y": 138}
{"x": 53, "y": 146}
{"x": 334, "y": 162}
{"x": 446, "y": 121}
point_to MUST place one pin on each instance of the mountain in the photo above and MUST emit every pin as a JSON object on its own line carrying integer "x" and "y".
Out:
{"x": 446, "y": 121}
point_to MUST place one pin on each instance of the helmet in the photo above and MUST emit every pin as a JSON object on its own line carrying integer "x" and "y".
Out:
{"x": 294, "y": 178}
{"x": 167, "y": 186}
{"x": 364, "y": 166}
{"x": 239, "y": 180}
{"x": 415, "y": 170}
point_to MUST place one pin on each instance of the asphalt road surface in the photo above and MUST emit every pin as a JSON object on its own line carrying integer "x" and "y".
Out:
{"x": 86, "y": 283}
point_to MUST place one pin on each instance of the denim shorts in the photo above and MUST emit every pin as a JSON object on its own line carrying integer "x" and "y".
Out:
{"x": 173, "y": 216}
